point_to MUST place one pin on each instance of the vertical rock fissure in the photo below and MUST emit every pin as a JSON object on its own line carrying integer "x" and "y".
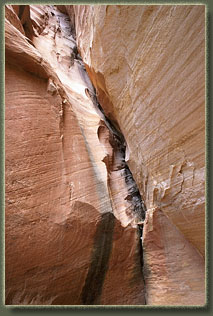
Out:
{"x": 101, "y": 251}
{"x": 141, "y": 252}
{"x": 117, "y": 141}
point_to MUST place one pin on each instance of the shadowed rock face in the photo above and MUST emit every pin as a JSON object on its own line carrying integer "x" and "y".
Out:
{"x": 83, "y": 168}
{"x": 168, "y": 262}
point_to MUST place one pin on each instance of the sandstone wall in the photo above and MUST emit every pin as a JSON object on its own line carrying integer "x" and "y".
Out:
{"x": 69, "y": 238}
{"x": 147, "y": 64}
{"x": 63, "y": 244}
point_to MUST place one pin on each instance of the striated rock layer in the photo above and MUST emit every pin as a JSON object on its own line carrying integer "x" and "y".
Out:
{"x": 147, "y": 64}
{"x": 74, "y": 215}
{"x": 63, "y": 244}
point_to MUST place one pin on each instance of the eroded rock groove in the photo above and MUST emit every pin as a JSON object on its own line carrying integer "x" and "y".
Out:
{"x": 116, "y": 162}
{"x": 92, "y": 289}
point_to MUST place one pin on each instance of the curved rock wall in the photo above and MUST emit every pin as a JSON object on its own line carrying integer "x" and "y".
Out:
{"x": 147, "y": 64}
{"x": 70, "y": 238}
{"x": 63, "y": 243}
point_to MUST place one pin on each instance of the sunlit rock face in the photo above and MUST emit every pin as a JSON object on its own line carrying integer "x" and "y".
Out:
{"x": 64, "y": 246}
{"x": 147, "y": 64}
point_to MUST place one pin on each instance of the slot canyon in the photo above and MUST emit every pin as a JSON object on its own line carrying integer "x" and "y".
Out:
{"x": 105, "y": 155}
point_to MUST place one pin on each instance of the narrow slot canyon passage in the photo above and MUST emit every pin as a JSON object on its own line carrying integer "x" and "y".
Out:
{"x": 119, "y": 206}
{"x": 104, "y": 185}
{"x": 125, "y": 196}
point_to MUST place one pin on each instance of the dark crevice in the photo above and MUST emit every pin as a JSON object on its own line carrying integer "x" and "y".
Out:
{"x": 24, "y": 17}
{"x": 21, "y": 11}
{"x": 117, "y": 141}
{"x": 91, "y": 292}
{"x": 117, "y": 134}
{"x": 103, "y": 240}
{"x": 134, "y": 194}
{"x": 141, "y": 252}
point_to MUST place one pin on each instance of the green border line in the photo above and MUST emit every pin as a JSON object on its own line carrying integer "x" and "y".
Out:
{"x": 2, "y": 152}
{"x": 191, "y": 310}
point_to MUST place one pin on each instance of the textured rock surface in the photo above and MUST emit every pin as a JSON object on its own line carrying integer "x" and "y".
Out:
{"x": 174, "y": 270}
{"x": 147, "y": 64}
{"x": 71, "y": 226}
{"x": 63, "y": 244}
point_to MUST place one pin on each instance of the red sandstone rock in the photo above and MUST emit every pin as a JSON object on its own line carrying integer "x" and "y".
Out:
{"x": 63, "y": 244}
{"x": 147, "y": 64}
{"x": 174, "y": 269}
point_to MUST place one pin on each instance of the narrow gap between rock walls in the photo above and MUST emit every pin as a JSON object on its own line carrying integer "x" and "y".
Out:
{"x": 139, "y": 207}
{"x": 118, "y": 141}
{"x": 119, "y": 145}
